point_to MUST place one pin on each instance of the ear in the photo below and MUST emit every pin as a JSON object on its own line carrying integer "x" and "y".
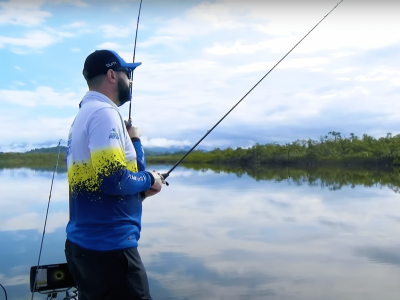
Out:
{"x": 111, "y": 76}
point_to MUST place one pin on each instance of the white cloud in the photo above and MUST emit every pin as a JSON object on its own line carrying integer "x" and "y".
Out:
{"x": 166, "y": 40}
{"x": 343, "y": 71}
{"x": 396, "y": 81}
{"x": 380, "y": 74}
{"x": 32, "y": 131}
{"x": 279, "y": 26}
{"x": 42, "y": 96}
{"x": 32, "y": 220}
{"x": 238, "y": 47}
{"x": 110, "y": 45}
{"x": 27, "y": 13}
{"x": 78, "y": 3}
{"x": 216, "y": 50}
{"x": 75, "y": 25}
{"x": 16, "y": 280}
{"x": 317, "y": 70}
{"x": 286, "y": 64}
{"x": 111, "y": 31}
{"x": 162, "y": 142}
{"x": 343, "y": 54}
{"x": 33, "y": 40}
{"x": 22, "y": 13}
{"x": 76, "y": 50}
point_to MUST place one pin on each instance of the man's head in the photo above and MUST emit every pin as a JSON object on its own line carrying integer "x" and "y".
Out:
{"x": 105, "y": 71}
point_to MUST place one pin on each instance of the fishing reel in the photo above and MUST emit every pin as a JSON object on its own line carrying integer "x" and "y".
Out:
{"x": 52, "y": 279}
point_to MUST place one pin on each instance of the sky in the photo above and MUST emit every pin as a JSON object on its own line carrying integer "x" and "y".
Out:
{"x": 199, "y": 58}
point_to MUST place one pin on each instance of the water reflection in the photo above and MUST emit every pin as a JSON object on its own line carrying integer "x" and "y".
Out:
{"x": 226, "y": 234}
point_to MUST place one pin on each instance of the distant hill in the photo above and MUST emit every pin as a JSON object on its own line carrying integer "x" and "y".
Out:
{"x": 148, "y": 151}
{"x": 63, "y": 149}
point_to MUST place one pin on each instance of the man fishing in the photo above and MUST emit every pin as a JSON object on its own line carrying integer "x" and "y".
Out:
{"x": 107, "y": 184}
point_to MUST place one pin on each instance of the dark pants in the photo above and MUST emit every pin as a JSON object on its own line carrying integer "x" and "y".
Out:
{"x": 106, "y": 275}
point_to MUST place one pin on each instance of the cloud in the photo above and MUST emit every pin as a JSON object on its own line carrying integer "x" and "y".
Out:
{"x": 33, "y": 132}
{"x": 75, "y": 25}
{"x": 343, "y": 71}
{"x": 42, "y": 96}
{"x": 78, "y": 3}
{"x": 280, "y": 28}
{"x": 32, "y": 220}
{"x": 15, "y": 280}
{"x": 170, "y": 41}
{"x": 27, "y": 13}
{"x": 238, "y": 47}
{"x": 111, "y": 31}
{"x": 110, "y": 45}
{"x": 290, "y": 63}
{"x": 381, "y": 74}
{"x": 216, "y": 51}
{"x": 33, "y": 40}
{"x": 22, "y": 13}
{"x": 47, "y": 117}
{"x": 162, "y": 142}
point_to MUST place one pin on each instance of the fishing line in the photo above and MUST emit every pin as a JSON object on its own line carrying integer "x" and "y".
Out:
{"x": 5, "y": 293}
{"x": 131, "y": 72}
{"x": 45, "y": 220}
{"x": 209, "y": 131}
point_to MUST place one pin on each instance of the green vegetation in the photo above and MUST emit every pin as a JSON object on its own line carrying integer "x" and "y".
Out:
{"x": 325, "y": 177}
{"x": 330, "y": 150}
{"x": 31, "y": 160}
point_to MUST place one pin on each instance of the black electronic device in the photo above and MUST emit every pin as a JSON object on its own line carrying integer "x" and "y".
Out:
{"x": 50, "y": 278}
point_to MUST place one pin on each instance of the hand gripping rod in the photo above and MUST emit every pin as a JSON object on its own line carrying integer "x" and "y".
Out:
{"x": 165, "y": 175}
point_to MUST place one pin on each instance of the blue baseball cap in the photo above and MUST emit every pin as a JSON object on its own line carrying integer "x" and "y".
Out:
{"x": 100, "y": 61}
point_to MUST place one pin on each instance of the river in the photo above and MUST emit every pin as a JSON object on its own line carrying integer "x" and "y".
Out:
{"x": 226, "y": 234}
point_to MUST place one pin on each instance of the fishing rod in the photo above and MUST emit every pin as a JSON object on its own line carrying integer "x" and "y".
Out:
{"x": 131, "y": 71}
{"x": 45, "y": 220}
{"x": 165, "y": 175}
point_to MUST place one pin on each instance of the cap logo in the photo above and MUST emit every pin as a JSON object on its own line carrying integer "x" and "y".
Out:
{"x": 111, "y": 64}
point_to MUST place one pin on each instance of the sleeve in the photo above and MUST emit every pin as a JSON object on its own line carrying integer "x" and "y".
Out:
{"x": 141, "y": 160}
{"x": 106, "y": 144}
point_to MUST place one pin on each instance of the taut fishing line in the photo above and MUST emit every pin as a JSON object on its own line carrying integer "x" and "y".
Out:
{"x": 209, "y": 131}
{"x": 45, "y": 220}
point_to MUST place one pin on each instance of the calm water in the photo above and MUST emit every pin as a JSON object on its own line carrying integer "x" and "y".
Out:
{"x": 220, "y": 235}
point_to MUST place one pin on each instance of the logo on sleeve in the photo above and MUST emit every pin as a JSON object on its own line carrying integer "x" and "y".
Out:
{"x": 113, "y": 134}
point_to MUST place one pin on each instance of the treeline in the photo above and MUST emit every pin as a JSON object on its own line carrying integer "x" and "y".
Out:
{"x": 325, "y": 177}
{"x": 31, "y": 160}
{"x": 62, "y": 149}
{"x": 331, "y": 149}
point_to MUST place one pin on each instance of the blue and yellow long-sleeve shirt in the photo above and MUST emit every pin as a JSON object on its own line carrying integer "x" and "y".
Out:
{"x": 106, "y": 175}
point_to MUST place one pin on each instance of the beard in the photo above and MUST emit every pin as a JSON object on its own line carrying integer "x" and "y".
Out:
{"x": 124, "y": 93}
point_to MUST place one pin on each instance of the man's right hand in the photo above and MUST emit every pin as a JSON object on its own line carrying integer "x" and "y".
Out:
{"x": 156, "y": 187}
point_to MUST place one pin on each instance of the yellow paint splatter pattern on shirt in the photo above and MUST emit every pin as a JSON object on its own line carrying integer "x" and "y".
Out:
{"x": 87, "y": 176}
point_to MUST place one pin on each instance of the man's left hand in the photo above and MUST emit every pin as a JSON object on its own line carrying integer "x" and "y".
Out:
{"x": 134, "y": 132}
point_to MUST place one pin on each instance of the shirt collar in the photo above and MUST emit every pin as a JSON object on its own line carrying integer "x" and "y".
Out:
{"x": 97, "y": 96}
